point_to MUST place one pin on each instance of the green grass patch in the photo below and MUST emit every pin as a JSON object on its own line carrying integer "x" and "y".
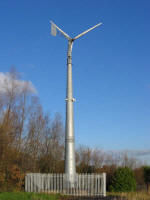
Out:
{"x": 131, "y": 195}
{"x": 27, "y": 196}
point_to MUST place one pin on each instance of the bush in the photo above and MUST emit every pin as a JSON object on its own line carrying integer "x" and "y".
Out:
{"x": 2, "y": 180}
{"x": 123, "y": 180}
{"x": 11, "y": 179}
{"x": 16, "y": 178}
{"x": 147, "y": 177}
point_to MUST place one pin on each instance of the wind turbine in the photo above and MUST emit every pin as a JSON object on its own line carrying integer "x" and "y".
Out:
{"x": 70, "y": 169}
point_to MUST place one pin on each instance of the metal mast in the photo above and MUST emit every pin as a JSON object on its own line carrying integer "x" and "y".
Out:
{"x": 70, "y": 167}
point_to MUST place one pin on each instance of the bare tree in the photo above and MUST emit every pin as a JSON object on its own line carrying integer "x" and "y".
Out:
{"x": 97, "y": 158}
{"x": 84, "y": 155}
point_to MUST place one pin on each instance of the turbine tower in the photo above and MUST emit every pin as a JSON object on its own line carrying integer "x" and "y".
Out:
{"x": 70, "y": 169}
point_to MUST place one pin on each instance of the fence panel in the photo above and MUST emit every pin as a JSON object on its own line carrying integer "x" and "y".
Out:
{"x": 85, "y": 185}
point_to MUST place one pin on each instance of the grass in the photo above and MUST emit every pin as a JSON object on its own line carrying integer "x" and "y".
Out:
{"x": 33, "y": 196}
{"x": 27, "y": 196}
{"x": 132, "y": 195}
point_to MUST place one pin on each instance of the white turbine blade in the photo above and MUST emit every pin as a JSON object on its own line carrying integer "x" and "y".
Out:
{"x": 81, "y": 34}
{"x": 56, "y": 27}
{"x": 53, "y": 30}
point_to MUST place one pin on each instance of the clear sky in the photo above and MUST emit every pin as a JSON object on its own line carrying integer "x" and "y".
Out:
{"x": 111, "y": 64}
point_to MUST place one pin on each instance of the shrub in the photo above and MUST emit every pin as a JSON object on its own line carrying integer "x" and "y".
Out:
{"x": 123, "y": 180}
{"x": 147, "y": 177}
{"x": 2, "y": 180}
{"x": 16, "y": 178}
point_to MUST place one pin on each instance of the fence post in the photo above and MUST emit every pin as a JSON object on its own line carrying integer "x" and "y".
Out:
{"x": 26, "y": 186}
{"x": 104, "y": 184}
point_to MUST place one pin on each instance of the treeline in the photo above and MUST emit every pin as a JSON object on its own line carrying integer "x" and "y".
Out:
{"x": 32, "y": 141}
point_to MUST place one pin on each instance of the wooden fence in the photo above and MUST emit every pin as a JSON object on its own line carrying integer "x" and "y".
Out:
{"x": 85, "y": 185}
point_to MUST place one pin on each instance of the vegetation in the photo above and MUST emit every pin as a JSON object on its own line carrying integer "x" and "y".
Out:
{"x": 27, "y": 196}
{"x": 32, "y": 196}
{"x": 30, "y": 141}
{"x": 147, "y": 177}
{"x": 129, "y": 195}
{"x": 123, "y": 180}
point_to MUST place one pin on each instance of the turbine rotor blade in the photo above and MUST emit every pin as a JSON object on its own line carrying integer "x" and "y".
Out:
{"x": 81, "y": 34}
{"x": 65, "y": 34}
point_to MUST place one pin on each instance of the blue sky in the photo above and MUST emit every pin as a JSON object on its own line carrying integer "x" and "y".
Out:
{"x": 111, "y": 64}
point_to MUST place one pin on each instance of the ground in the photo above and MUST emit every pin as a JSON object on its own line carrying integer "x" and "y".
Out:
{"x": 110, "y": 196}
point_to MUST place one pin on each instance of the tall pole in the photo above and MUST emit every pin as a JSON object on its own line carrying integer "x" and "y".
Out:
{"x": 70, "y": 168}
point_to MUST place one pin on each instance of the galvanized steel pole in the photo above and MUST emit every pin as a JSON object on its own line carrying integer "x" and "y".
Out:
{"x": 70, "y": 166}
